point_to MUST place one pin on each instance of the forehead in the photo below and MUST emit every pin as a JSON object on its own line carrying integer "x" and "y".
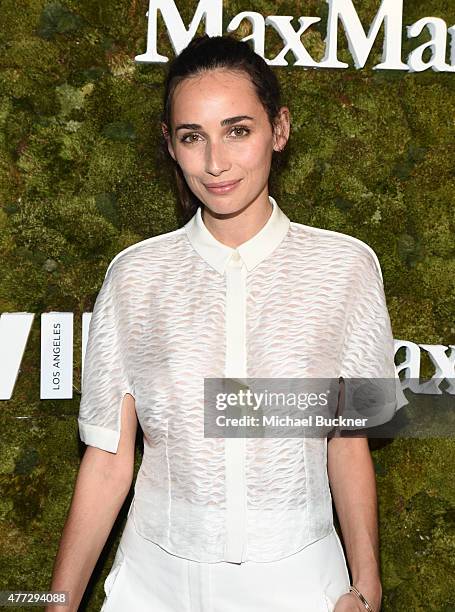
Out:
{"x": 212, "y": 93}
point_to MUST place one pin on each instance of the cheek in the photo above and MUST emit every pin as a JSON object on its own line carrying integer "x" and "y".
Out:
{"x": 256, "y": 156}
{"x": 190, "y": 160}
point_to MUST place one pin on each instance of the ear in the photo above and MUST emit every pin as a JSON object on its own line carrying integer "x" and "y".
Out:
{"x": 282, "y": 129}
{"x": 168, "y": 139}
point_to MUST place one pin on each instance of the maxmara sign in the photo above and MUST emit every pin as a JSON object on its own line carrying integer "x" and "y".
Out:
{"x": 389, "y": 16}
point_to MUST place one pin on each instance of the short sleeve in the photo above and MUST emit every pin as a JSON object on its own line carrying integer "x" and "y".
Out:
{"x": 104, "y": 377}
{"x": 372, "y": 385}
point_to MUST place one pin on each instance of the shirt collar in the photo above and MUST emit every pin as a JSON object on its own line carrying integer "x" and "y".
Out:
{"x": 252, "y": 252}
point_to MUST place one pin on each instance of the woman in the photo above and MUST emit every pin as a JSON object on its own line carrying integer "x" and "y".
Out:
{"x": 225, "y": 524}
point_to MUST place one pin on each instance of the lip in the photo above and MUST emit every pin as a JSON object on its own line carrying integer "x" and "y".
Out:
{"x": 225, "y": 187}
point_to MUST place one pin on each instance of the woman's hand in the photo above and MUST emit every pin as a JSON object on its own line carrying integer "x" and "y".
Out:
{"x": 349, "y": 602}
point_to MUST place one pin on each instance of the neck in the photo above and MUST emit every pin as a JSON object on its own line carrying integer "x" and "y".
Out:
{"x": 233, "y": 229}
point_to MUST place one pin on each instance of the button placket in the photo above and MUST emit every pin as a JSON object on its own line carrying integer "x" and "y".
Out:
{"x": 236, "y": 495}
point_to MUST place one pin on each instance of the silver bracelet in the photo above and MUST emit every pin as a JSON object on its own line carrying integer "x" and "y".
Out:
{"x": 353, "y": 589}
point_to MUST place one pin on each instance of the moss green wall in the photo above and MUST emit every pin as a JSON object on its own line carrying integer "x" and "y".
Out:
{"x": 371, "y": 154}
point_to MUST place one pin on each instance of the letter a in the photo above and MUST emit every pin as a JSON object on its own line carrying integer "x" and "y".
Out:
{"x": 438, "y": 30}
{"x": 258, "y": 26}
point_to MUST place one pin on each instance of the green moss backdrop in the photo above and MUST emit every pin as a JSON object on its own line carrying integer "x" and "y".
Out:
{"x": 81, "y": 177}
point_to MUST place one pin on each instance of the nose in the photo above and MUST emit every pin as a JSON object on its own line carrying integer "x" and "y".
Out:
{"x": 216, "y": 160}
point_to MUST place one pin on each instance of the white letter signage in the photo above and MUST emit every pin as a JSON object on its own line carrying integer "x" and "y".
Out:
{"x": 389, "y": 16}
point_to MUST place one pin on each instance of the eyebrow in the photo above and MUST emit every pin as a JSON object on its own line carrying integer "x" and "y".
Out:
{"x": 228, "y": 121}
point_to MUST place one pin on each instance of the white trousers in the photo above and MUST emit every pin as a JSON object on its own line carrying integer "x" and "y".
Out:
{"x": 145, "y": 577}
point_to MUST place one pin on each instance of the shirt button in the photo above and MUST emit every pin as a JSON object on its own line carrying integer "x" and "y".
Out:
{"x": 235, "y": 256}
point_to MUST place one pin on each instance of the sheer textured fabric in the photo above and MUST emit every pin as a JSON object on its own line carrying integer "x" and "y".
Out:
{"x": 293, "y": 301}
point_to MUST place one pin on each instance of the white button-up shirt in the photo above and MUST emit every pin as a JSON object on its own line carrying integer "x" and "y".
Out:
{"x": 294, "y": 301}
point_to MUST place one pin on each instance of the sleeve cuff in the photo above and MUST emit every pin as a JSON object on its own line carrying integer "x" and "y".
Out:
{"x": 101, "y": 437}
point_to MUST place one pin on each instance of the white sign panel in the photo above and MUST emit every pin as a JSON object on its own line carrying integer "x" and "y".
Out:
{"x": 56, "y": 355}
{"x": 14, "y": 330}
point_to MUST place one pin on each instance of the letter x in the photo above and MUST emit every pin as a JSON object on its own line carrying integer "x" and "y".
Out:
{"x": 291, "y": 38}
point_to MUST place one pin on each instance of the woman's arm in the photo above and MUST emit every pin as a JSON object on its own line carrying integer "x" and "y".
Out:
{"x": 102, "y": 485}
{"x": 353, "y": 485}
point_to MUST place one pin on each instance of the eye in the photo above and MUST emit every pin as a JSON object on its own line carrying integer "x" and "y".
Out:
{"x": 184, "y": 138}
{"x": 241, "y": 128}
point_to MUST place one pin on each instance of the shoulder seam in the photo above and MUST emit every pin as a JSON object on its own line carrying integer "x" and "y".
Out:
{"x": 156, "y": 238}
{"x": 353, "y": 239}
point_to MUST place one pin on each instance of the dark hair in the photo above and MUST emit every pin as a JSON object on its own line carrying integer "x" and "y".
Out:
{"x": 208, "y": 53}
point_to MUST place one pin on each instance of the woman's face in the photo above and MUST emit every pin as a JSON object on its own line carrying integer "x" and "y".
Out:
{"x": 221, "y": 134}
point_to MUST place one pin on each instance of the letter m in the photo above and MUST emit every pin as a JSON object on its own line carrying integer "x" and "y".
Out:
{"x": 360, "y": 44}
{"x": 179, "y": 35}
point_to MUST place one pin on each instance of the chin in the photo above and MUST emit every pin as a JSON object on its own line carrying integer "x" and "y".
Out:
{"x": 225, "y": 208}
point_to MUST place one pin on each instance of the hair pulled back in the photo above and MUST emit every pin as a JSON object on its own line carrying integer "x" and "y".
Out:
{"x": 206, "y": 53}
